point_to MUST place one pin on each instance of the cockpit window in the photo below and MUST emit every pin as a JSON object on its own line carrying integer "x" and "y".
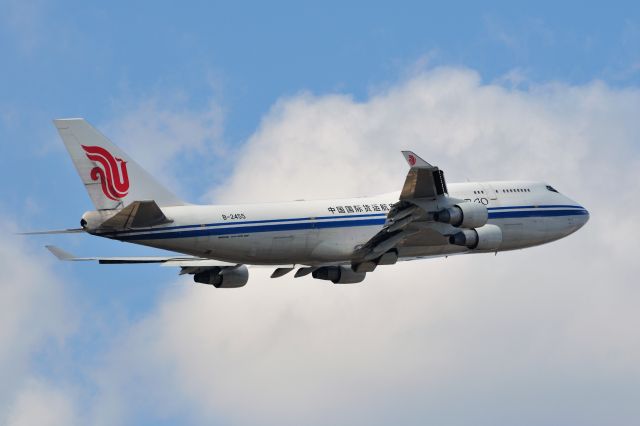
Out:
{"x": 552, "y": 189}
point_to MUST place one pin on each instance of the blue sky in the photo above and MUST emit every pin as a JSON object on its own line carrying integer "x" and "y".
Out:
{"x": 112, "y": 61}
{"x": 67, "y": 59}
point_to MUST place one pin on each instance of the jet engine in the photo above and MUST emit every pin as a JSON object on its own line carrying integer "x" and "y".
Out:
{"x": 488, "y": 237}
{"x": 338, "y": 274}
{"x": 464, "y": 215}
{"x": 226, "y": 277}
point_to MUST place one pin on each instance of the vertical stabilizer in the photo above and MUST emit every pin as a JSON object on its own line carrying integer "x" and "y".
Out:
{"x": 111, "y": 177}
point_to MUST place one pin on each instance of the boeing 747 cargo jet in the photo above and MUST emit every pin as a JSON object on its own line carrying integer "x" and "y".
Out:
{"x": 337, "y": 240}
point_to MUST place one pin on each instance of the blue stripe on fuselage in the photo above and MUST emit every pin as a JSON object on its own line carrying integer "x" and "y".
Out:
{"x": 533, "y": 213}
{"x": 251, "y": 222}
{"x": 254, "y": 228}
{"x": 321, "y": 223}
{"x": 550, "y": 206}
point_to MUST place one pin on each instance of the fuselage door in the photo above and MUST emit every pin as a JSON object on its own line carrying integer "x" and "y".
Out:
{"x": 490, "y": 191}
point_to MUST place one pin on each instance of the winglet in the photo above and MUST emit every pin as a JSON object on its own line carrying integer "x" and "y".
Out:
{"x": 414, "y": 160}
{"x": 59, "y": 253}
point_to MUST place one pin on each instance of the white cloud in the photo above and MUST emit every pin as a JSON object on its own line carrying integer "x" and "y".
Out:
{"x": 330, "y": 146}
{"x": 169, "y": 140}
{"x": 525, "y": 337}
{"x": 540, "y": 336}
{"x": 36, "y": 317}
{"x": 42, "y": 404}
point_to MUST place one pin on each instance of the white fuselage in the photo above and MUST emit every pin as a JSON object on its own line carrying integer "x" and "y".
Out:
{"x": 326, "y": 231}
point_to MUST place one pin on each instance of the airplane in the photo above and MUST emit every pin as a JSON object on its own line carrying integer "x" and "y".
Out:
{"x": 339, "y": 240}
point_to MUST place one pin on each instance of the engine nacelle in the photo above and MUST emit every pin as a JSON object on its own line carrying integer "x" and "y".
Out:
{"x": 488, "y": 237}
{"x": 464, "y": 215}
{"x": 338, "y": 274}
{"x": 227, "y": 277}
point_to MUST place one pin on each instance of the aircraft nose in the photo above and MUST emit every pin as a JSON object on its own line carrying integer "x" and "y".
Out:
{"x": 584, "y": 217}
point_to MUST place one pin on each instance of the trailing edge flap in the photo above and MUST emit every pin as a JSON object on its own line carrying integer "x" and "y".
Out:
{"x": 139, "y": 214}
{"x": 423, "y": 179}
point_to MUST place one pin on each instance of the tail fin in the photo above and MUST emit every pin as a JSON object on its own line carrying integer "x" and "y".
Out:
{"x": 111, "y": 177}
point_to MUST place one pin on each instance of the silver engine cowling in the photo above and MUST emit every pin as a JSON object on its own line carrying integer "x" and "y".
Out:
{"x": 339, "y": 274}
{"x": 488, "y": 237}
{"x": 92, "y": 220}
{"x": 226, "y": 277}
{"x": 464, "y": 215}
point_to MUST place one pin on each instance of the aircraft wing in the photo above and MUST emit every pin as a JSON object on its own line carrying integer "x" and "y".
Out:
{"x": 423, "y": 180}
{"x": 187, "y": 264}
{"x": 410, "y": 221}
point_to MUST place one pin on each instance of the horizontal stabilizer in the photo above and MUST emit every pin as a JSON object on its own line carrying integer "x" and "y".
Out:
{"x": 64, "y": 255}
{"x": 55, "y": 231}
{"x": 181, "y": 261}
{"x": 59, "y": 253}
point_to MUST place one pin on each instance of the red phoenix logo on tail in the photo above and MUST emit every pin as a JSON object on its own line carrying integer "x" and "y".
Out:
{"x": 111, "y": 171}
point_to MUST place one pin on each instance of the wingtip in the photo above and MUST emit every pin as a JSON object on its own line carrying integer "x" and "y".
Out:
{"x": 59, "y": 253}
{"x": 414, "y": 159}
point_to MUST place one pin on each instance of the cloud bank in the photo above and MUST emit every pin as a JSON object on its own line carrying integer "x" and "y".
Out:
{"x": 36, "y": 318}
{"x": 538, "y": 336}
{"x": 542, "y": 336}
{"x": 168, "y": 138}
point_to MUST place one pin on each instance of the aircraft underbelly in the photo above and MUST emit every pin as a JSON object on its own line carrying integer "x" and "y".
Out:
{"x": 298, "y": 246}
